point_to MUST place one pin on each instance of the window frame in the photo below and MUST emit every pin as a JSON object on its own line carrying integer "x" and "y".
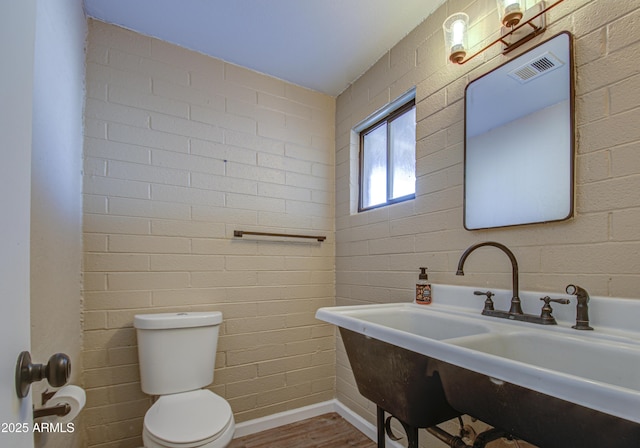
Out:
{"x": 386, "y": 119}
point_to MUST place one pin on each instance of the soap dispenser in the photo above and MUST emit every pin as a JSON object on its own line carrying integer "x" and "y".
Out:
{"x": 423, "y": 288}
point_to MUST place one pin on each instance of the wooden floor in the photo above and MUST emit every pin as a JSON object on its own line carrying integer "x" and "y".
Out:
{"x": 324, "y": 431}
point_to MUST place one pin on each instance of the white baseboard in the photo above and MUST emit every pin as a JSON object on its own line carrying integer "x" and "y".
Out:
{"x": 295, "y": 415}
{"x": 364, "y": 426}
{"x": 283, "y": 418}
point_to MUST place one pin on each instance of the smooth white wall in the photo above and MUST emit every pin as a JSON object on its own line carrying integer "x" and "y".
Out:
{"x": 56, "y": 201}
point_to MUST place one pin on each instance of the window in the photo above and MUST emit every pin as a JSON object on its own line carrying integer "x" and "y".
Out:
{"x": 388, "y": 158}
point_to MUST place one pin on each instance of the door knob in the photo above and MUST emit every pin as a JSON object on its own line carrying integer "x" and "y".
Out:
{"x": 57, "y": 372}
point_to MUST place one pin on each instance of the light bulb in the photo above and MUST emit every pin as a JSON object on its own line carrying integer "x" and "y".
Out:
{"x": 457, "y": 31}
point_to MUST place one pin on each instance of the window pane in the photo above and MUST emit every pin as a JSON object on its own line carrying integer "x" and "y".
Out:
{"x": 403, "y": 154}
{"x": 374, "y": 167}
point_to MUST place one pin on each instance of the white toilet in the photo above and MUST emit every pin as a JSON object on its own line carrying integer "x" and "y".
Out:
{"x": 177, "y": 354}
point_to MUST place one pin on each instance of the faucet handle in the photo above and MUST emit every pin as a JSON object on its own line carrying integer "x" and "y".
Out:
{"x": 548, "y": 299}
{"x": 488, "y": 304}
{"x": 545, "y": 314}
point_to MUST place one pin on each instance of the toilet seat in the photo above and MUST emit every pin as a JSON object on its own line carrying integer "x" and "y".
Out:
{"x": 190, "y": 419}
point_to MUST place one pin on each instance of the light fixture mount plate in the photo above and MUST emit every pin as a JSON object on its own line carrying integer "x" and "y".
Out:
{"x": 512, "y": 40}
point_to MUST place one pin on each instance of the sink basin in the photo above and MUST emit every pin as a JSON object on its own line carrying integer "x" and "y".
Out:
{"x": 410, "y": 319}
{"x": 615, "y": 364}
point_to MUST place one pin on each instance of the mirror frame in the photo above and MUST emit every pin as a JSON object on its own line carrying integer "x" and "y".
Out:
{"x": 572, "y": 134}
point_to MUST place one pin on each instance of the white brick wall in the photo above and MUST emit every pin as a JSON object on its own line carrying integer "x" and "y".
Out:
{"x": 182, "y": 149}
{"x": 378, "y": 252}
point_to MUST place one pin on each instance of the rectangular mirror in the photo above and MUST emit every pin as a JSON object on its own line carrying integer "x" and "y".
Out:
{"x": 519, "y": 138}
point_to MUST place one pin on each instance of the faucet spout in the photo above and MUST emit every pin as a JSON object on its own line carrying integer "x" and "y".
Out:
{"x": 516, "y": 307}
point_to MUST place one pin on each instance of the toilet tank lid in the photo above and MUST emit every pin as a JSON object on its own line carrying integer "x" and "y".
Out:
{"x": 160, "y": 321}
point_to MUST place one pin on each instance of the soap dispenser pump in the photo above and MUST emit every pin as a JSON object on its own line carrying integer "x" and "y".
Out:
{"x": 423, "y": 288}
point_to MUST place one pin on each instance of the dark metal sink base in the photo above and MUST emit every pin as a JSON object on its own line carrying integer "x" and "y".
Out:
{"x": 398, "y": 382}
{"x": 539, "y": 419}
{"x": 422, "y": 392}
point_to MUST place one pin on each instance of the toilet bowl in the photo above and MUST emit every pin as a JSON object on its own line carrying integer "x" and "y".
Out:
{"x": 193, "y": 419}
{"x": 177, "y": 357}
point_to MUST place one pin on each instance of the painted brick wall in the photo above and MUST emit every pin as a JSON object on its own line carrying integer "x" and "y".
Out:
{"x": 378, "y": 252}
{"x": 181, "y": 150}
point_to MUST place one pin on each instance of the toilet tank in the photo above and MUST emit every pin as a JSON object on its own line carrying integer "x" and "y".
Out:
{"x": 177, "y": 351}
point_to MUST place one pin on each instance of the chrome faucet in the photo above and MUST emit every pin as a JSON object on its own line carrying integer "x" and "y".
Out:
{"x": 515, "y": 311}
{"x": 582, "y": 314}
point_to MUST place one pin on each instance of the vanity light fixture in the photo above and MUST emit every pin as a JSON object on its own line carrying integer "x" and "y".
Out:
{"x": 518, "y": 26}
{"x": 455, "y": 36}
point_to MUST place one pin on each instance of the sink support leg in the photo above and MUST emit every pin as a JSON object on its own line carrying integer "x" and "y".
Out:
{"x": 412, "y": 435}
{"x": 385, "y": 428}
{"x": 380, "y": 424}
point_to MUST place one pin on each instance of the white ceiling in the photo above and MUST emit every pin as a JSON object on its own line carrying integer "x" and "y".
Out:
{"x": 323, "y": 45}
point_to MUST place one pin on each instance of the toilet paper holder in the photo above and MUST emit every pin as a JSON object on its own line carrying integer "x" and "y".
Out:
{"x": 58, "y": 410}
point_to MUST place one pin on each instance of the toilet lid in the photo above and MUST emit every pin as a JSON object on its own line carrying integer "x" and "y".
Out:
{"x": 188, "y": 417}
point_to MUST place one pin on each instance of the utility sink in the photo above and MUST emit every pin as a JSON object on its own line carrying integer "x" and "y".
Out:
{"x": 551, "y": 386}
{"x": 614, "y": 364}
